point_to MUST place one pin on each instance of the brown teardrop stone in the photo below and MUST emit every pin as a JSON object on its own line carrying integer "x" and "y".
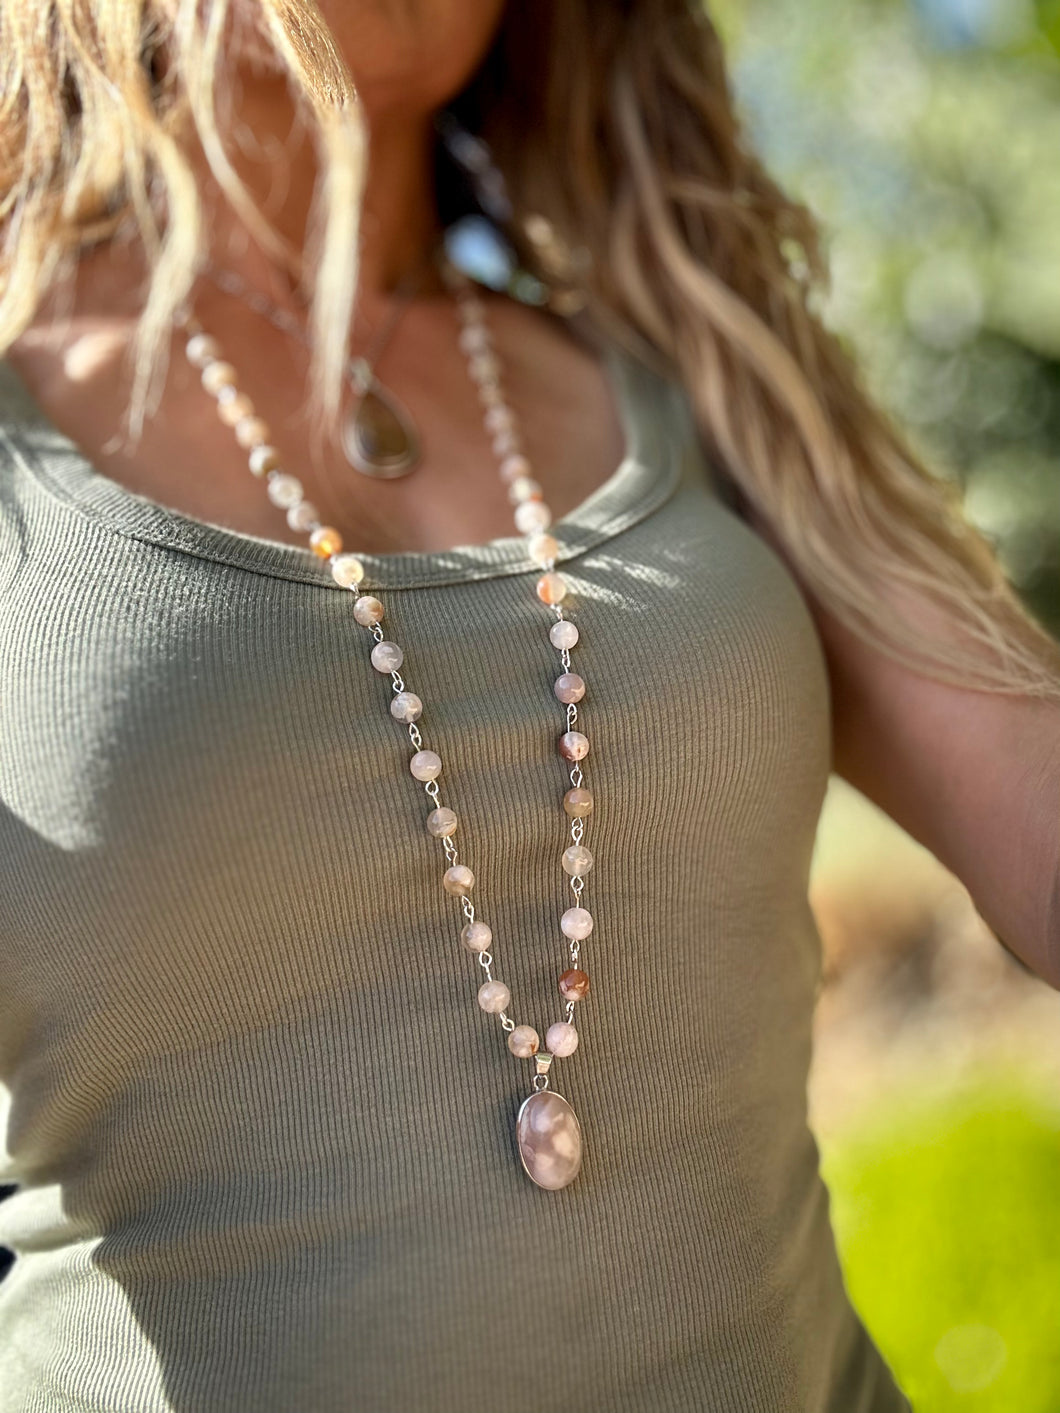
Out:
{"x": 549, "y": 1138}
{"x": 379, "y": 435}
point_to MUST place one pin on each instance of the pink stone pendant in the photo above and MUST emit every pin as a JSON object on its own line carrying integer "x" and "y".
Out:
{"x": 549, "y": 1138}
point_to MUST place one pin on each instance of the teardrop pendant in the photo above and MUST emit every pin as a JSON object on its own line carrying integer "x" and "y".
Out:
{"x": 378, "y": 436}
{"x": 550, "y": 1139}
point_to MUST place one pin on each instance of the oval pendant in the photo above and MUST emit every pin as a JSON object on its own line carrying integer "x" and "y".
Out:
{"x": 550, "y": 1139}
{"x": 378, "y": 436}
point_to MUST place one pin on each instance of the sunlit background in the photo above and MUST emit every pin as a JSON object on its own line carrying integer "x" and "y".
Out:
{"x": 926, "y": 136}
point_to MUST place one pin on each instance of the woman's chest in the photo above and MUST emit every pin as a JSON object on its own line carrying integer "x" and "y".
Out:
{"x": 206, "y": 796}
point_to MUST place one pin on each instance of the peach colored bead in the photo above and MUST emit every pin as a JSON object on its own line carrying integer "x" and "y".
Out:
{"x": 569, "y": 687}
{"x": 302, "y": 516}
{"x": 573, "y": 745}
{"x": 476, "y": 936}
{"x": 263, "y": 459}
{"x": 532, "y": 515}
{"x": 386, "y": 657}
{"x": 201, "y": 349}
{"x": 578, "y": 802}
{"x": 234, "y": 407}
{"x": 551, "y": 587}
{"x": 543, "y": 549}
{"x": 367, "y": 609}
{"x": 458, "y": 879}
{"x": 524, "y": 1041}
{"x": 217, "y": 375}
{"x": 576, "y": 923}
{"x": 442, "y": 822}
{"x": 576, "y": 860}
{"x": 426, "y": 765}
{"x": 326, "y": 541}
{"x": 493, "y": 996}
{"x": 524, "y": 488}
{"x": 251, "y": 431}
{"x": 500, "y": 419}
{"x": 284, "y": 490}
{"x": 561, "y": 1038}
{"x": 406, "y": 706}
{"x": 563, "y": 634}
{"x": 505, "y": 443}
{"x": 348, "y": 571}
{"x": 574, "y": 985}
{"x": 514, "y": 467}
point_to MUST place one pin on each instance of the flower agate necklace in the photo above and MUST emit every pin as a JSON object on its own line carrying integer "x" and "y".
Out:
{"x": 548, "y": 1134}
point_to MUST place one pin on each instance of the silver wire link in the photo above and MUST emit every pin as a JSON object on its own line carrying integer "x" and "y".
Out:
{"x": 414, "y": 736}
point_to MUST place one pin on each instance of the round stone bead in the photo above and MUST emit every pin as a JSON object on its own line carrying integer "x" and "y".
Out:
{"x": 387, "y": 657}
{"x": 514, "y": 467}
{"x": 543, "y": 549}
{"x": 217, "y": 375}
{"x": 406, "y": 706}
{"x": 233, "y": 406}
{"x": 263, "y": 459}
{"x": 573, "y": 745}
{"x": 505, "y": 443}
{"x": 458, "y": 879}
{"x": 347, "y": 570}
{"x": 302, "y": 516}
{"x": 202, "y": 349}
{"x": 576, "y": 923}
{"x": 441, "y": 822}
{"x": 551, "y": 587}
{"x": 578, "y": 802}
{"x": 532, "y": 515}
{"x": 569, "y": 687}
{"x": 561, "y": 1038}
{"x": 500, "y": 419}
{"x": 574, "y": 985}
{"x": 524, "y": 1041}
{"x": 473, "y": 338}
{"x": 426, "y": 765}
{"x": 524, "y": 488}
{"x": 367, "y": 609}
{"x": 284, "y": 490}
{"x": 484, "y": 367}
{"x": 476, "y": 936}
{"x": 251, "y": 431}
{"x": 576, "y": 860}
{"x": 326, "y": 541}
{"x": 563, "y": 634}
{"x": 493, "y": 996}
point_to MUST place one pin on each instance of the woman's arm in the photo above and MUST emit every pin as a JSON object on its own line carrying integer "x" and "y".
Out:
{"x": 973, "y": 776}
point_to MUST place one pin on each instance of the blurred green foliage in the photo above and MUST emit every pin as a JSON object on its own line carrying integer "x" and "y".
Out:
{"x": 925, "y": 134}
{"x": 946, "y": 1215}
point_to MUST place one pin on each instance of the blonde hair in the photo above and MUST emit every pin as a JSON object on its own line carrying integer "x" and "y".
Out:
{"x": 616, "y": 123}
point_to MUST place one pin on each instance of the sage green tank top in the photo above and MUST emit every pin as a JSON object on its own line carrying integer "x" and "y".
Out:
{"x": 261, "y": 1132}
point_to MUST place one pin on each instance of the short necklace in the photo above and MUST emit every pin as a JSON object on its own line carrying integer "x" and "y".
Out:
{"x": 548, "y": 1134}
{"x": 379, "y": 436}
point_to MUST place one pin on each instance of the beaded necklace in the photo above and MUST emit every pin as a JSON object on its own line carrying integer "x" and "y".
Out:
{"x": 547, "y": 1132}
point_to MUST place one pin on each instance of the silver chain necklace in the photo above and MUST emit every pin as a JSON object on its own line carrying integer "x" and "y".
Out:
{"x": 379, "y": 434}
{"x": 547, "y": 1131}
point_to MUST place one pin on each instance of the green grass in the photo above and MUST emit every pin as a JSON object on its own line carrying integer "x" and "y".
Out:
{"x": 947, "y": 1214}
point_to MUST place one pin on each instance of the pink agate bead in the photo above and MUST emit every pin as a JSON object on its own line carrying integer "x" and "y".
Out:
{"x": 476, "y": 936}
{"x": 563, "y": 634}
{"x": 387, "y": 657}
{"x": 573, "y": 745}
{"x": 576, "y": 923}
{"x": 426, "y": 765}
{"x": 458, "y": 879}
{"x": 543, "y": 549}
{"x": 441, "y": 822}
{"x": 569, "y": 687}
{"x": 524, "y": 1041}
{"x": 561, "y": 1038}
{"x": 367, "y": 609}
{"x": 406, "y": 706}
{"x": 493, "y": 996}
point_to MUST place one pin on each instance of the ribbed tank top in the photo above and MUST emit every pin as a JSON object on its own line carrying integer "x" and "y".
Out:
{"x": 261, "y": 1131}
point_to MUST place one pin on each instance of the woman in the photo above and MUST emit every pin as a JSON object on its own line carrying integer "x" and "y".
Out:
{"x": 262, "y": 1074}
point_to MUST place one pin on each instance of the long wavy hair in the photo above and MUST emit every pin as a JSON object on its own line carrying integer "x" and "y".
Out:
{"x": 613, "y": 119}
